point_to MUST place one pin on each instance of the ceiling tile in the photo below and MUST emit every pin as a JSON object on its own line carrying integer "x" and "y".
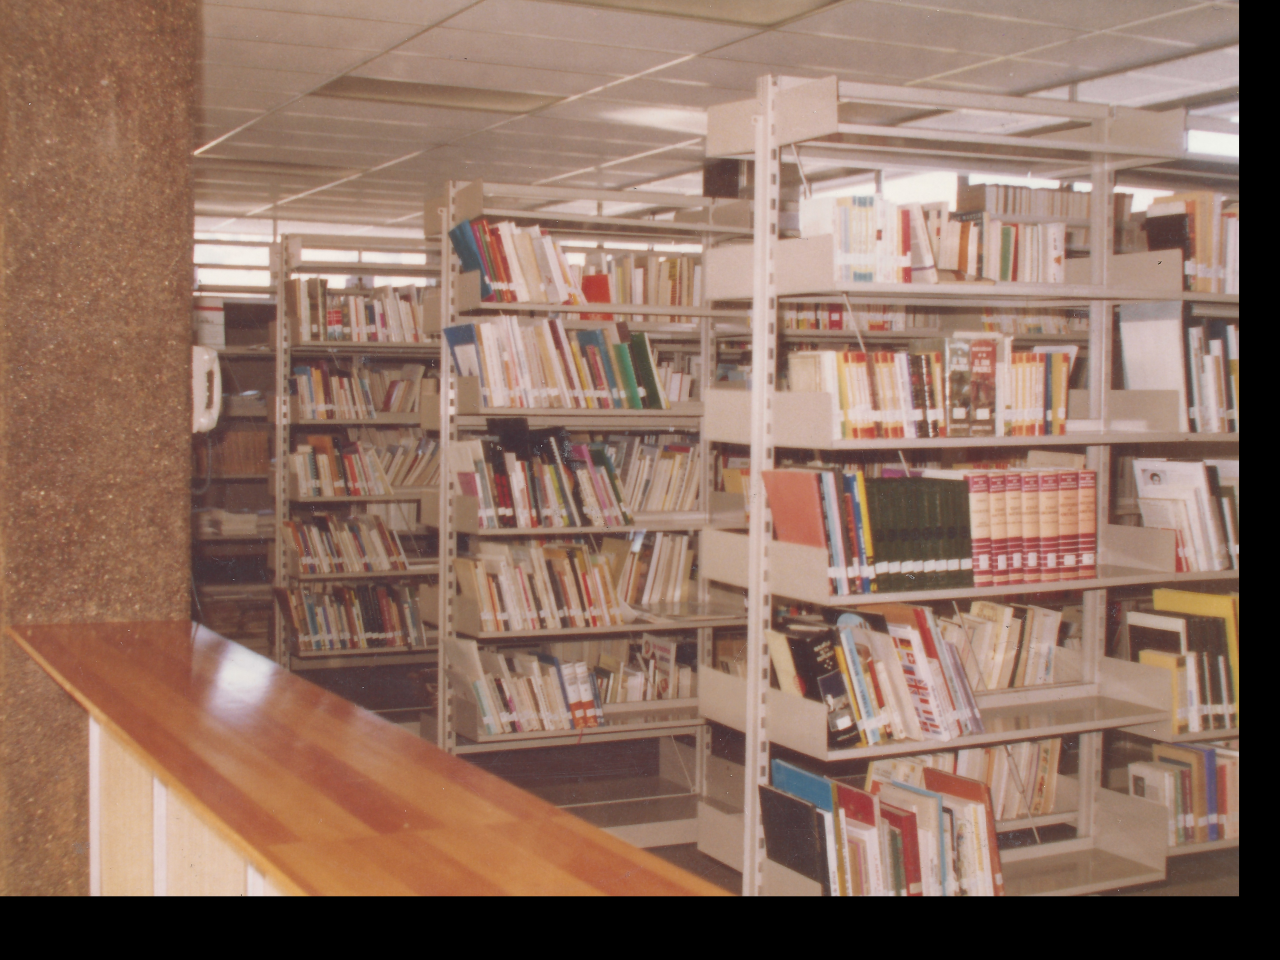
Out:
{"x": 1214, "y": 67}
{"x": 683, "y": 120}
{"x": 659, "y": 91}
{"x": 1014, "y": 75}
{"x": 392, "y": 113}
{"x": 1109, "y": 52}
{"x": 1077, "y": 14}
{"x": 242, "y": 99}
{"x": 1203, "y": 27}
{"x": 732, "y": 74}
{"x": 237, "y": 23}
{"x": 909, "y": 24}
{"x": 858, "y": 56}
{"x": 421, "y": 12}
{"x": 1131, "y": 89}
{"x": 483, "y": 76}
{"x": 592, "y": 25}
{"x": 281, "y": 56}
{"x": 248, "y": 78}
{"x": 445, "y": 43}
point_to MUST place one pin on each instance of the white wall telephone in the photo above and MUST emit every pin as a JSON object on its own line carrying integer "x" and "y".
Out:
{"x": 206, "y": 389}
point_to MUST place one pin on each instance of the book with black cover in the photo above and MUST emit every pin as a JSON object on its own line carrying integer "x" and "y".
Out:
{"x": 794, "y": 835}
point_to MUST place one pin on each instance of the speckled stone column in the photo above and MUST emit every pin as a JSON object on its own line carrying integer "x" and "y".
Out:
{"x": 97, "y": 104}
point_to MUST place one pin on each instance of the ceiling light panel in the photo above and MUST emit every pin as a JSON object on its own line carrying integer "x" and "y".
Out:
{"x": 927, "y": 27}
{"x": 592, "y": 25}
{"x": 730, "y": 74}
{"x": 1078, "y": 14}
{"x": 630, "y": 136}
{"x": 1216, "y": 67}
{"x": 459, "y": 120}
{"x": 483, "y": 76}
{"x": 299, "y": 29}
{"x": 432, "y": 95}
{"x": 1205, "y": 26}
{"x": 542, "y": 53}
{"x": 680, "y": 122}
{"x": 890, "y": 61}
{"x": 241, "y": 99}
{"x": 420, "y": 12}
{"x": 280, "y": 56}
{"x": 1130, "y": 89}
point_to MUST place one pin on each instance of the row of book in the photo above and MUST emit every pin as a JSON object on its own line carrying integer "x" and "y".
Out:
{"x": 322, "y": 466}
{"x": 539, "y": 363}
{"x": 1003, "y": 645}
{"x": 970, "y": 385}
{"x": 998, "y": 199}
{"x": 656, "y": 568}
{"x": 885, "y": 674}
{"x": 1022, "y": 777}
{"x": 1195, "y": 637}
{"x": 1199, "y": 785}
{"x": 1199, "y": 358}
{"x": 525, "y": 692}
{"x": 1187, "y": 497}
{"x": 385, "y": 315}
{"x": 326, "y": 543}
{"x": 940, "y": 529}
{"x": 874, "y": 317}
{"x": 516, "y": 264}
{"x": 880, "y": 242}
{"x": 353, "y": 618}
{"x": 1205, "y": 226}
{"x": 887, "y": 839}
{"x": 667, "y": 281}
{"x": 658, "y": 473}
{"x": 320, "y": 390}
{"x": 1023, "y": 322}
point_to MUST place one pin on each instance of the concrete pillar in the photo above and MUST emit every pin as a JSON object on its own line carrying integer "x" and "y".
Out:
{"x": 97, "y": 111}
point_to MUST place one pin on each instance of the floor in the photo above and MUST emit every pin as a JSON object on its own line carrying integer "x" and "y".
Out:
{"x": 1214, "y": 874}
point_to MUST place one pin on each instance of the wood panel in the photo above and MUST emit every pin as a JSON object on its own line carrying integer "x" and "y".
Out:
{"x": 317, "y": 794}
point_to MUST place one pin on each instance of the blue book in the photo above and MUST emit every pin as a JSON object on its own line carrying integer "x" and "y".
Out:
{"x": 465, "y": 351}
{"x": 811, "y": 787}
{"x": 464, "y": 245}
{"x": 1210, "y": 787}
{"x": 596, "y": 339}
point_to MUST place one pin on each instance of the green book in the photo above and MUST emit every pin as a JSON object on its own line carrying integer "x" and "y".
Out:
{"x": 1006, "y": 252}
{"x": 623, "y": 355}
{"x": 642, "y": 361}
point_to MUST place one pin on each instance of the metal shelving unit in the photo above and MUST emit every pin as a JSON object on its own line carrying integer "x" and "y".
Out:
{"x": 1119, "y": 840}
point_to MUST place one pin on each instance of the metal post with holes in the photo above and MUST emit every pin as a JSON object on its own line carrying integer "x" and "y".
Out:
{"x": 446, "y": 738}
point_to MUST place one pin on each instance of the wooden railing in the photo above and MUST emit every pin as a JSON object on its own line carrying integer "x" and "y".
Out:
{"x": 213, "y": 771}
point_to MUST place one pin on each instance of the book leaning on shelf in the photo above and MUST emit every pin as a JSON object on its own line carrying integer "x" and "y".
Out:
{"x": 939, "y": 529}
{"x": 670, "y": 281}
{"x": 353, "y": 618}
{"x": 385, "y": 315}
{"x": 320, "y": 391}
{"x": 894, "y": 839}
{"x": 559, "y": 689}
{"x": 970, "y": 385}
{"x": 1185, "y": 496}
{"x": 516, "y": 264}
{"x": 1199, "y": 785}
{"x": 528, "y": 363}
{"x": 328, "y": 544}
{"x": 1205, "y": 227}
{"x": 321, "y": 467}
{"x": 1194, "y": 650}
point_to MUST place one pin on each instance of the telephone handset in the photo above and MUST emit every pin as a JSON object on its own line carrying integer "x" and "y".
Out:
{"x": 206, "y": 389}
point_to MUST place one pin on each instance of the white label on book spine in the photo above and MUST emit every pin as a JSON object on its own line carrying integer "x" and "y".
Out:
{"x": 954, "y": 564}
{"x": 893, "y": 566}
{"x": 883, "y": 567}
{"x": 930, "y": 566}
{"x": 966, "y": 563}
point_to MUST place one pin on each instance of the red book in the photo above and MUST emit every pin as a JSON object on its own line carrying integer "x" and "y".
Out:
{"x": 1030, "y": 526}
{"x": 982, "y": 388}
{"x": 1068, "y": 524}
{"x": 1013, "y": 525}
{"x": 1087, "y": 546}
{"x": 999, "y": 530}
{"x": 1049, "y": 568}
{"x": 975, "y": 791}
{"x": 796, "y": 503}
{"x": 904, "y": 822}
{"x": 835, "y": 316}
{"x": 595, "y": 287}
{"x": 980, "y": 528}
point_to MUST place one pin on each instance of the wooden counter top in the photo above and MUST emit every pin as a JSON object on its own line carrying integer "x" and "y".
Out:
{"x": 321, "y": 796}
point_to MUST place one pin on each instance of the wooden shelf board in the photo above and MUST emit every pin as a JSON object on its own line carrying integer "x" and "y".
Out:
{"x": 1206, "y": 847}
{"x": 1074, "y": 873}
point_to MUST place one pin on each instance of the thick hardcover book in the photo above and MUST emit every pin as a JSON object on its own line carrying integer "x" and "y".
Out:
{"x": 796, "y": 503}
{"x": 821, "y": 678}
{"x": 978, "y": 792}
{"x": 794, "y": 835}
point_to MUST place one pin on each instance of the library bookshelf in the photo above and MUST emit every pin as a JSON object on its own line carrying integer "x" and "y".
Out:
{"x": 1118, "y": 840}
{"x": 645, "y": 811}
{"x": 353, "y": 594}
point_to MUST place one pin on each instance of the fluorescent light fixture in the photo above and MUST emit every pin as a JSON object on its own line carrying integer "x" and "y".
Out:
{"x": 433, "y": 95}
{"x": 1217, "y": 144}
{"x": 755, "y": 13}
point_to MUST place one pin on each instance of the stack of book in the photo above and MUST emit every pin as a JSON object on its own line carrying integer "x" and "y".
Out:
{"x": 1022, "y": 777}
{"x": 385, "y": 315}
{"x": 323, "y": 467}
{"x": 353, "y": 618}
{"x": 971, "y": 385}
{"x": 331, "y": 544}
{"x": 1198, "y": 783}
{"x": 894, "y": 839}
{"x": 653, "y": 568}
{"x": 939, "y": 529}
{"x": 1205, "y": 227}
{"x": 319, "y": 391}
{"x": 887, "y": 673}
{"x": 540, "y": 363}
{"x": 539, "y": 586}
{"x": 551, "y": 482}
{"x": 527, "y": 692}
{"x": 516, "y": 264}
{"x": 1189, "y": 498}
{"x": 1195, "y": 636}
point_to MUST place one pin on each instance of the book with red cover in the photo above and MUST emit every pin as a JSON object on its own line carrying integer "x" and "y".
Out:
{"x": 796, "y": 503}
{"x": 595, "y": 287}
{"x": 939, "y": 781}
{"x": 982, "y": 387}
{"x": 904, "y": 821}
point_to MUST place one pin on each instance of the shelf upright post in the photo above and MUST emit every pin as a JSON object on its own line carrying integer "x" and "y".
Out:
{"x": 447, "y": 545}
{"x": 759, "y": 601}
{"x": 706, "y": 376}
{"x": 284, "y": 268}
{"x": 1097, "y": 458}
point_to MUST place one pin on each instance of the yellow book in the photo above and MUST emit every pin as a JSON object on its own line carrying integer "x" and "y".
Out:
{"x": 1177, "y": 667}
{"x": 1208, "y": 605}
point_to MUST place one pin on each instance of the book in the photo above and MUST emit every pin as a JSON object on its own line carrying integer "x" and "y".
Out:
{"x": 795, "y": 835}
